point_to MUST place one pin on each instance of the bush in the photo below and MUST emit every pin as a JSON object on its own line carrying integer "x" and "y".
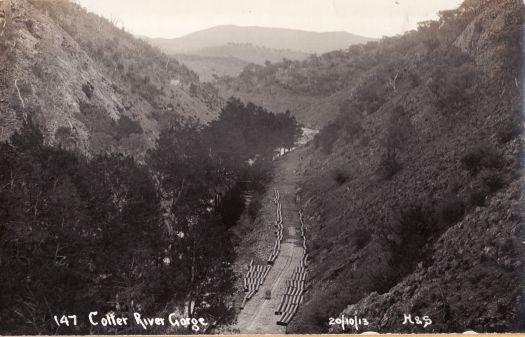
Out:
{"x": 479, "y": 157}
{"x": 361, "y": 237}
{"x": 509, "y": 130}
{"x": 340, "y": 176}
{"x": 450, "y": 209}
{"x": 416, "y": 222}
{"x": 398, "y": 131}
{"x": 453, "y": 86}
{"x": 125, "y": 127}
{"x": 254, "y": 206}
{"x": 492, "y": 180}
{"x": 388, "y": 166}
{"x": 327, "y": 137}
{"x": 88, "y": 89}
{"x": 476, "y": 196}
{"x": 488, "y": 182}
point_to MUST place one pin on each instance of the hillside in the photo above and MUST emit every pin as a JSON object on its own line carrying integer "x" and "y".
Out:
{"x": 412, "y": 194}
{"x": 219, "y": 49}
{"x": 314, "y": 88}
{"x": 209, "y": 67}
{"x": 88, "y": 84}
{"x": 230, "y": 59}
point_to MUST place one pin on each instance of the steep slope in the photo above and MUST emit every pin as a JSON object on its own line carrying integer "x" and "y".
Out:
{"x": 275, "y": 38}
{"x": 88, "y": 84}
{"x": 413, "y": 194}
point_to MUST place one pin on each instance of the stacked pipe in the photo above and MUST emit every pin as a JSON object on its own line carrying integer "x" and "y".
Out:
{"x": 253, "y": 280}
{"x": 279, "y": 229}
{"x": 304, "y": 260}
{"x": 293, "y": 296}
{"x": 294, "y": 292}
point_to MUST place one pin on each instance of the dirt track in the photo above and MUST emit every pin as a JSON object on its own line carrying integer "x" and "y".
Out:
{"x": 258, "y": 316}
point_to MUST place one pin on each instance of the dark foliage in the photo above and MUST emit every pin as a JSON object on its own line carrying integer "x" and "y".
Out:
{"x": 340, "y": 176}
{"x": 453, "y": 81}
{"x": 361, "y": 237}
{"x": 109, "y": 234}
{"x": 88, "y": 89}
{"x": 244, "y": 131}
{"x": 416, "y": 223}
{"x": 487, "y": 182}
{"x": 509, "y": 130}
{"x": 398, "y": 131}
{"x": 125, "y": 127}
{"x": 73, "y": 232}
{"x": 479, "y": 157}
{"x": 327, "y": 137}
{"x": 450, "y": 209}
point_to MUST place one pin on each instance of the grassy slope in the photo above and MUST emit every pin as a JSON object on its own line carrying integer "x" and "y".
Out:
{"x": 79, "y": 75}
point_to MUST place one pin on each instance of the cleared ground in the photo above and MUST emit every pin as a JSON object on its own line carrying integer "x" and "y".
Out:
{"x": 258, "y": 316}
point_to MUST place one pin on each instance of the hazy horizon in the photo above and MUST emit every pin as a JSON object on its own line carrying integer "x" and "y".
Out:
{"x": 172, "y": 19}
{"x": 251, "y": 26}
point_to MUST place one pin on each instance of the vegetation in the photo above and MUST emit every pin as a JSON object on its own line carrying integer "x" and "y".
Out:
{"x": 479, "y": 157}
{"x": 398, "y": 131}
{"x": 428, "y": 129}
{"x": 110, "y": 234}
{"x": 340, "y": 176}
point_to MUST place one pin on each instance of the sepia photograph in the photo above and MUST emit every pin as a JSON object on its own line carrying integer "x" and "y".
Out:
{"x": 250, "y": 167}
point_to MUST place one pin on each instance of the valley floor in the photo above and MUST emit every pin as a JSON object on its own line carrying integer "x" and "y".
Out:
{"x": 258, "y": 316}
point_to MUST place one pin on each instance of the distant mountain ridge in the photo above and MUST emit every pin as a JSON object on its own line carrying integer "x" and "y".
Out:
{"x": 226, "y": 50}
{"x": 275, "y": 38}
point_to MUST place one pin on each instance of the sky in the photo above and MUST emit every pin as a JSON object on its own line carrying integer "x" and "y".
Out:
{"x": 175, "y": 18}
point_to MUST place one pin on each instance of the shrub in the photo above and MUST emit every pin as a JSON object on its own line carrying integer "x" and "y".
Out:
{"x": 453, "y": 86}
{"x": 388, "y": 167}
{"x": 488, "y": 182}
{"x": 254, "y": 206}
{"x": 398, "y": 130}
{"x": 479, "y": 157}
{"x": 509, "y": 130}
{"x": 361, "y": 237}
{"x": 416, "y": 222}
{"x": 476, "y": 196}
{"x": 327, "y": 137}
{"x": 150, "y": 92}
{"x": 88, "y": 89}
{"x": 351, "y": 118}
{"x": 492, "y": 180}
{"x": 450, "y": 209}
{"x": 340, "y": 176}
{"x": 125, "y": 127}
